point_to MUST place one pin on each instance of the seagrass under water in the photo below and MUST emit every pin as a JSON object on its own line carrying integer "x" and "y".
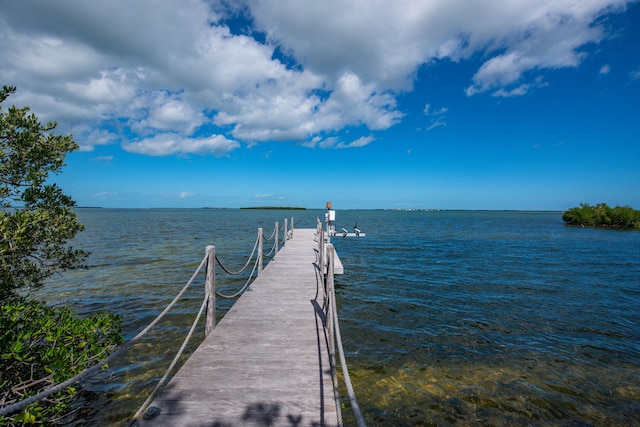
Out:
{"x": 448, "y": 318}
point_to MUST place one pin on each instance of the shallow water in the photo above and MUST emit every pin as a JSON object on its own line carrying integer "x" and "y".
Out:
{"x": 448, "y": 318}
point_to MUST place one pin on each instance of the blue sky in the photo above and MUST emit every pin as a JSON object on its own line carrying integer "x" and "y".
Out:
{"x": 440, "y": 104}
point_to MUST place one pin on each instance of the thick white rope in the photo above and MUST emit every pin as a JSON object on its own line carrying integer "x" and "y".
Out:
{"x": 273, "y": 248}
{"x": 331, "y": 295}
{"x": 89, "y": 371}
{"x": 173, "y": 364}
{"x": 272, "y": 234}
{"x": 246, "y": 285}
{"x": 336, "y": 384}
{"x": 343, "y": 364}
{"x": 326, "y": 308}
{"x": 234, "y": 273}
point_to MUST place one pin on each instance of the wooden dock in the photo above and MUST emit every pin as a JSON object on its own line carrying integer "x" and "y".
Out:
{"x": 266, "y": 363}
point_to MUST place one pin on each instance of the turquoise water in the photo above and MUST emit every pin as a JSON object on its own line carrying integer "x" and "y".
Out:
{"x": 448, "y": 318}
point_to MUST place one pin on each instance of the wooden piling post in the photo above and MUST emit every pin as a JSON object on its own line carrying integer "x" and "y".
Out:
{"x": 277, "y": 226}
{"x": 291, "y": 228}
{"x": 210, "y": 289}
{"x": 286, "y": 230}
{"x": 330, "y": 294}
{"x": 259, "y": 251}
{"x": 321, "y": 258}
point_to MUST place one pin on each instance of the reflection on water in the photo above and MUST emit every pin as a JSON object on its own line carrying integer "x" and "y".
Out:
{"x": 448, "y": 318}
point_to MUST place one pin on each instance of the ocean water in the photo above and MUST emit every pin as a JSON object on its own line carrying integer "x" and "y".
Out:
{"x": 448, "y": 318}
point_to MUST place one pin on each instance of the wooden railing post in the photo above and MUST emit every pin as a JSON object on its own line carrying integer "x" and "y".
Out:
{"x": 330, "y": 285}
{"x": 259, "y": 251}
{"x": 210, "y": 289}
{"x": 277, "y": 226}
{"x": 291, "y": 228}
{"x": 321, "y": 253}
{"x": 286, "y": 230}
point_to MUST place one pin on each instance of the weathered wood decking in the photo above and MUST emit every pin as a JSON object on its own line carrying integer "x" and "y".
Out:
{"x": 266, "y": 362}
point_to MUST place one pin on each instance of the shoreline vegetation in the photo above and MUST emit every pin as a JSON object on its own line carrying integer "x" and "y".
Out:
{"x": 314, "y": 208}
{"x": 40, "y": 345}
{"x": 603, "y": 216}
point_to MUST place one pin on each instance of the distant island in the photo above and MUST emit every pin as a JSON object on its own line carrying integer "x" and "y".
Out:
{"x": 601, "y": 215}
{"x": 284, "y": 208}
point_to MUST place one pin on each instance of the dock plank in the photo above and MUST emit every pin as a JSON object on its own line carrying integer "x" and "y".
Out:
{"x": 266, "y": 362}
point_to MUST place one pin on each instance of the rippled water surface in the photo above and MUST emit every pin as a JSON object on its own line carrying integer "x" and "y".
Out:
{"x": 448, "y": 318}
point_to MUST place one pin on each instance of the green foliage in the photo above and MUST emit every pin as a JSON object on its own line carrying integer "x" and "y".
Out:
{"x": 41, "y": 346}
{"x": 33, "y": 234}
{"x": 601, "y": 215}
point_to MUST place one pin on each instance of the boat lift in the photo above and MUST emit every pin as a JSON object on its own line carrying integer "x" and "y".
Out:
{"x": 330, "y": 218}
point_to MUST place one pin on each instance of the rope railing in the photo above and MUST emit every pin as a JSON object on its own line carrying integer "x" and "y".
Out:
{"x": 285, "y": 234}
{"x": 208, "y": 306}
{"x": 210, "y": 284}
{"x": 274, "y": 248}
{"x": 9, "y": 409}
{"x": 253, "y": 251}
{"x": 246, "y": 285}
{"x": 326, "y": 254}
{"x": 273, "y": 233}
{"x": 163, "y": 380}
{"x": 209, "y": 302}
{"x": 326, "y": 260}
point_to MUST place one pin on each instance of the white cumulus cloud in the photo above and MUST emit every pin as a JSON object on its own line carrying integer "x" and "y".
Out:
{"x": 196, "y": 76}
{"x": 168, "y": 144}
